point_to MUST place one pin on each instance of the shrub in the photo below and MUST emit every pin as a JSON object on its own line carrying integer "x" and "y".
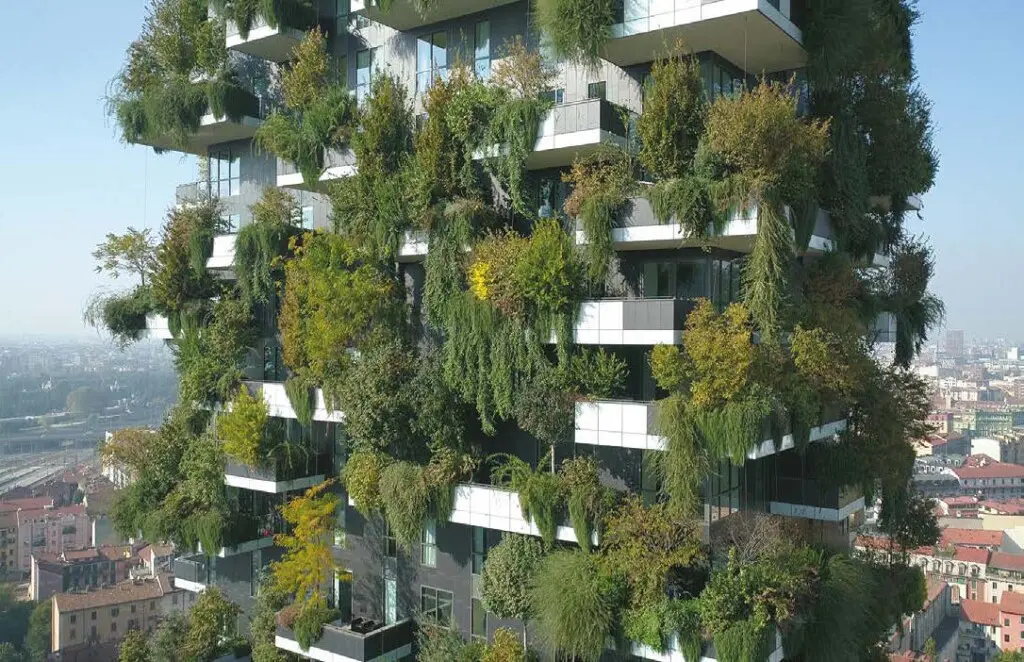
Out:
{"x": 286, "y": 13}
{"x": 186, "y": 241}
{"x": 122, "y": 315}
{"x": 309, "y": 623}
{"x": 575, "y": 605}
{"x": 261, "y": 244}
{"x": 600, "y": 186}
{"x": 597, "y": 374}
{"x": 672, "y": 124}
{"x": 577, "y": 30}
{"x": 439, "y": 643}
{"x": 302, "y": 397}
{"x": 209, "y": 357}
{"x": 585, "y": 497}
{"x": 242, "y": 428}
{"x": 539, "y": 493}
{"x": 507, "y": 575}
{"x": 492, "y": 273}
{"x": 307, "y": 566}
{"x": 361, "y": 475}
{"x": 722, "y": 352}
{"x": 547, "y": 270}
{"x": 405, "y": 496}
{"x": 506, "y": 647}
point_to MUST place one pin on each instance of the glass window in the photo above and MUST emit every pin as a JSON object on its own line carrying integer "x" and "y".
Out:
{"x": 428, "y": 544}
{"x": 73, "y": 618}
{"x": 431, "y": 59}
{"x": 596, "y": 90}
{"x": 92, "y": 617}
{"x": 133, "y": 609}
{"x": 479, "y": 619}
{"x": 224, "y": 174}
{"x": 436, "y": 605}
{"x": 479, "y": 549}
{"x": 482, "y": 50}
{"x": 390, "y": 601}
{"x": 306, "y": 222}
{"x": 556, "y": 96}
{"x": 114, "y": 612}
{"x": 229, "y": 222}
{"x": 690, "y": 278}
{"x": 113, "y": 626}
{"x": 390, "y": 544}
{"x": 364, "y": 74}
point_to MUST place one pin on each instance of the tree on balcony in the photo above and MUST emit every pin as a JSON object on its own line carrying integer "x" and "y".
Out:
{"x": 276, "y": 13}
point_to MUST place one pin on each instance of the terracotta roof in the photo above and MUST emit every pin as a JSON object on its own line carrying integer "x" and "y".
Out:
{"x": 960, "y": 501}
{"x": 972, "y": 555}
{"x": 1005, "y": 507}
{"x": 872, "y": 542}
{"x": 1007, "y": 561}
{"x": 971, "y": 537}
{"x": 993, "y": 470}
{"x": 979, "y": 612}
{"x": 935, "y": 588}
{"x": 29, "y": 503}
{"x": 1012, "y": 603}
{"x": 129, "y": 591}
{"x": 81, "y": 554}
{"x": 149, "y": 551}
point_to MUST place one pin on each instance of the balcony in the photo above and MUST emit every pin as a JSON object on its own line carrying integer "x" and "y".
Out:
{"x": 246, "y": 532}
{"x": 212, "y": 131}
{"x": 277, "y": 401}
{"x": 632, "y": 321}
{"x": 414, "y": 246}
{"x": 638, "y": 229}
{"x": 803, "y": 498}
{"x": 673, "y": 654}
{"x": 223, "y": 256}
{"x": 403, "y": 16}
{"x": 337, "y": 164}
{"x": 576, "y": 129}
{"x": 279, "y": 476}
{"x": 158, "y": 327}
{"x": 263, "y": 41}
{"x": 756, "y": 35}
{"x": 497, "y": 508}
{"x": 629, "y": 424}
{"x": 192, "y": 573}
{"x": 353, "y": 642}
{"x": 191, "y": 192}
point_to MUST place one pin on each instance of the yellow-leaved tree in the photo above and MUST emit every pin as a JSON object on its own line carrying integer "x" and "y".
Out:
{"x": 307, "y": 566}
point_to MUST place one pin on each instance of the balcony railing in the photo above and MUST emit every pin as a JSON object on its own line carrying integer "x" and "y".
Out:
{"x": 359, "y": 640}
{"x": 650, "y": 321}
{"x": 192, "y": 573}
{"x": 280, "y": 476}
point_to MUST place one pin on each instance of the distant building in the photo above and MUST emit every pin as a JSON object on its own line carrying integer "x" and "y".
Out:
{"x": 79, "y": 570}
{"x": 1004, "y": 446}
{"x": 955, "y": 343}
{"x": 9, "y": 543}
{"x": 990, "y": 479}
{"x": 921, "y": 626}
{"x": 51, "y": 531}
{"x": 980, "y": 631}
{"x": 88, "y": 626}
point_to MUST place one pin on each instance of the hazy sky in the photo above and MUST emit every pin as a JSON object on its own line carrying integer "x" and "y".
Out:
{"x": 65, "y": 179}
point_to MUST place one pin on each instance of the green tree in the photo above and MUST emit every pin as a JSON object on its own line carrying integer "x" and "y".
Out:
{"x": 507, "y": 573}
{"x": 1010, "y": 656}
{"x": 212, "y": 625}
{"x": 37, "y": 641}
{"x": 130, "y": 254}
{"x": 8, "y": 653}
{"x": 169, "y": 639}
{"x": 85, "y": 400}
{"x": 134, "y": 648}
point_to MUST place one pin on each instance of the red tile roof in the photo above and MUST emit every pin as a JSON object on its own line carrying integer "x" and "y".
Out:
{"x": 29, "y": 503}
{"x": 990, "y": 470}
{"x": 960, "y": 501}
{"x": 1007, "y": 507}
{"x": 979, "y": 612}
{"x": 971, "y": 555}
{"x": 971, "y": 537}
{"x": 935, "y": 588}
{"x": 1007, "y": 561}
{"x": 1012, "y": 603}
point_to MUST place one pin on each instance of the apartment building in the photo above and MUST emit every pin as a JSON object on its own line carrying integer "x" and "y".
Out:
{"x": 990, "y": 479}
{"x": 79, "y": 570}
{"x": 660, "y": 275}
{"x": 51, "y": 531}
{"x": 87, "y": 625}
{"x": 9, "y": 543}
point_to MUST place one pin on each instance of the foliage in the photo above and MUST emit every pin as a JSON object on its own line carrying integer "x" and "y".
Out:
{"x": 544, "y": 405}
{"x": 212, "y": 623}
{"x": 906, "y": 296}
{"x": 440, "y": 643}
{"x": 585, "y": 497}
{"x": 262, "y": 628}
{"x": 361, "y": 475}
{"x": 319, "y": 110}
{"x": 547, "y": 270}
{"x": 260, "y": 245}
{"x": 406, "y": 498}
{"x": 169, "y": 638}
{"x": 8, "y": 653}
{"x": 507, "y": 574}
{"x": 600, "y": 187}
{"x": 130, "y": 254}
{"x": 685, "y": 461}
{"x": 371, "y": 207}
{"x": 519, "y": 78}
{"x": 596, "y": 374}
{"x": 332, "y": 300}
{"x": 37, "y": 639}
{"x": 186, "y": 241}
{"x": 308, "y": 625}
{"x": 539, "y": 493}
{"x": 574, "y": 605}
{"x": 672, "y": 124}
{"x": 506, "y": 647}
{"x": 644, "y": 545}
{"x": 773, "y": 156}
{"x": 134, "y": 647}
{"x": 242, "y": 428}
{"x": 209, "y": 357}
{"x": 123, "y": 316}
{"x": 86, "y": 400}
{"x": 577, "y": 30}
{"x": 302, "y": 398}
{"x": 306, "y": 568}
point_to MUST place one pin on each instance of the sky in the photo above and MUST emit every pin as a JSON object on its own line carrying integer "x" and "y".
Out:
{"x": 66, "y": 180}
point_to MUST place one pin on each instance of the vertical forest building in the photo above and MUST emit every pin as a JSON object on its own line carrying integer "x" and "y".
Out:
{"x": 575, "y": 327}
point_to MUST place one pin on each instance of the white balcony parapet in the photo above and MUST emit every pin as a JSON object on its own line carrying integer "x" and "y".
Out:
{"x": 158, "y": 327}
{"x": 673, "y": 654}
{"x": 497, "y": 508}
{"x": 814, "y": 512}
{"x": 272, "y": 486}
{"x": 626, "y": 424}
{"x": 631, "y": 322}
{"x": 279, "y": 404}
{"x": 414, "y": 246}
{"x": 223, "y": 255}
{"x": 752, "y": 34}
{"x": 190, "y": 586}
{"x": 242, "y": 548}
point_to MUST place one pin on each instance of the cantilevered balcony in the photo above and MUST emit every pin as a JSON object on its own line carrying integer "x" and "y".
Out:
{"x": 672, "y": 653}
{"x": 263, "y": 41}
{"x": 654, "y": 321}
{"x": 279, "y": 404}
{"x": 637, "y": 228}
{"x": 403, "y": 16}
{"x": 577, "y": 129}
{"x": 193, "y": 573}
{"x": 158, "y": 327}
{"x": 279, "y": 476}
{"x": 631, "y": 424}
{"x": 497, "y": 508}
{"x": 360, "y": 640}
{"x": 338, "y": 163}
{"x": 808, "y": 499}
{"x": 212, "y": 131}
{"x": 223, "y": 256}
{"x": 756, "y": 35}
